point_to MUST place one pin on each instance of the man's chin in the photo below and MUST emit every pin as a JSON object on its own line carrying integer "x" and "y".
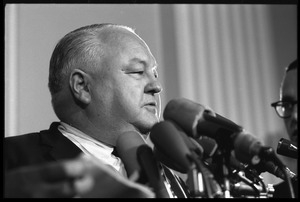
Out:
{"x": 145, "y": 128}
{"x": 294, "y": 137}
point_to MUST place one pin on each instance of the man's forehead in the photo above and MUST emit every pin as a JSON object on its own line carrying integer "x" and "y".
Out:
{"x": 289, "y": 85}
{"x": 116, "y": 34}
{"x": 127, "y": 44}
{"x": 291, "y": 78}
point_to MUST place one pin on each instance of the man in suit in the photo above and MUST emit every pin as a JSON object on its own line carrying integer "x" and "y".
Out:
{"x": 287, "y": 109}
{"x": 103, "y": 82}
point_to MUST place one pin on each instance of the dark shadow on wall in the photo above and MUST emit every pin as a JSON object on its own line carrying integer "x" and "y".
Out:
{"x": 285, "y": 28}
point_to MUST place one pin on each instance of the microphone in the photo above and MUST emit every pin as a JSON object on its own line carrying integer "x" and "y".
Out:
{"x": 197, "y": 120}
{"x": 126, "y": 146}
{"x": 181, "y": 153}
{"x": 208, "y": 144}
{"x": 170, "y": 147}
{"x": 150, "y": 166}
{"x": 138, "y": 158}
{"x": 271, "y": 167}
{"x": 286, "y": 148}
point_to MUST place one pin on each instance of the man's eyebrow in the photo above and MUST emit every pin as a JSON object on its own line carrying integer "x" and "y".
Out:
{"x": 133, "y": 61}
{"x": 137, "y": 60}
{"x": 141, "y": 61}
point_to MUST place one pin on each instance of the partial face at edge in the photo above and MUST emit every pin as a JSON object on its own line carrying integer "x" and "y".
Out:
{"x": 289, "y": 92}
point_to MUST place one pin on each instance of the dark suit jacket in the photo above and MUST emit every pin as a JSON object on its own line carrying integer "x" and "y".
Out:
{"x": 50, "y": 145}
{"x": 37, "y": 148}
{"x": 281, "y": 190}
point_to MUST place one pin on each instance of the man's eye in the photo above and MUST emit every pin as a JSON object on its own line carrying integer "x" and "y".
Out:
{"x": 287, "y": 105}
{"x": 137, "y": 72}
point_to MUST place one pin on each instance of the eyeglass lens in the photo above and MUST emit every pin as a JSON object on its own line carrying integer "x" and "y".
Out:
{"x": 285, "y": 109}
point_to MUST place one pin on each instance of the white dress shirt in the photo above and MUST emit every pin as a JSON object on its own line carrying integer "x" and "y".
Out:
{"x": 93, "y": 147}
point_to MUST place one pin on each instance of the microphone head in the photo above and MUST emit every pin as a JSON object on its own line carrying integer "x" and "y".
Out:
{"x": 286, "y": 148}
{"x": 168, "y": 141}
{"x": 198, "y": 120}
{"x": 185, "y": 113}
{"x": 247, "y": 148}
{"x": 167, "y": 161}
{"x": 208, "y": 144}
{"x": 192, "y": 145}
{"x": 127, "y": 145}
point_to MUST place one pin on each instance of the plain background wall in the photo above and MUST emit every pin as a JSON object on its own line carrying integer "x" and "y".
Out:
{"x": 32, "y": 31}
{"x": 39, "y": 27}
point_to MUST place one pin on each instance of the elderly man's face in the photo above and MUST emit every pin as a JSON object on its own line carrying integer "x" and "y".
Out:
{"x": 126, "y": 90}
{"x": 289, "y": 93}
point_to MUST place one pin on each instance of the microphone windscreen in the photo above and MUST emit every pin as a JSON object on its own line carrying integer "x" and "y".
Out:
{"x": 127, "y": 145}
{"x": 209, "y": 146}
{"x": 185, "y": 113}
{"x": 168, "y": 141}
{"x": 167, "y": 161}
{"x": 151, "y": 167}
{"x": 247, "y": 148}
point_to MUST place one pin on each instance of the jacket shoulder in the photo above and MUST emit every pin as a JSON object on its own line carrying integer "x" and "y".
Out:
{"x": 27, "y": 149}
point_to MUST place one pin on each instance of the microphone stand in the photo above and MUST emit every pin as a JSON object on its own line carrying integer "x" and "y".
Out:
{"x": 221, "y": 168}
{"x": 225, "y": 172}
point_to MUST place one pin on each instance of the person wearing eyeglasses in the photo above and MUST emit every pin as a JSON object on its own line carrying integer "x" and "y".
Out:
{"x": 287, "y": 108}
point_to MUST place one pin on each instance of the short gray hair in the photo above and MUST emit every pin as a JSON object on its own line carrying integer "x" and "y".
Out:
{"x": 76, "y": 48}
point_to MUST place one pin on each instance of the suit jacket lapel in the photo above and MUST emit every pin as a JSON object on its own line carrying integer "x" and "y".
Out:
{"x": 62, "y": 147}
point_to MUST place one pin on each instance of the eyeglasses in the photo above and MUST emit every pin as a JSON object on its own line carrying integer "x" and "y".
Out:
{"x": 284, "y": 109}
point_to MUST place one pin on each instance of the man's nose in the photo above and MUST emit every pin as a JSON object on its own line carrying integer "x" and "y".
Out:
{"x": 154, "y": 87}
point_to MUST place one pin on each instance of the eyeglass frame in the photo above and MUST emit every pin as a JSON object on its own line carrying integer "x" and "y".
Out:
{"x": 279, "y": 103}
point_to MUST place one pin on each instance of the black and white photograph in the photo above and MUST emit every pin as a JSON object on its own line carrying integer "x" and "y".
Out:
{"x": 150, "y": 100}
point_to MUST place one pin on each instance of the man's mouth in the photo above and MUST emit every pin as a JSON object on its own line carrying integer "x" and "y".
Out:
{"x": 151, "y": 106}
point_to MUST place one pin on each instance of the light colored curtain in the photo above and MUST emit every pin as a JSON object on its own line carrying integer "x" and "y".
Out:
{"x": 225, "y": 61}
{"x": 224, "y": 58}
{"x": 11, "y": 73}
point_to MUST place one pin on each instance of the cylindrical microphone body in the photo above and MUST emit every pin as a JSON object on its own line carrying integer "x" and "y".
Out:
{"x": 287, "y": 148}
{"x": 192, "y": 144}
{"x": 196, "y": 119}
{"x": 167, "y": 141}
{"x": 151, "y": 168}
{"x": 208, "y": 145}
{"x": 269, "y": 166}
{"x": 127, "y": 145}
{"x": 247, "y": 148}
{"x": 138, "y": 158}
{"x": 186, "y": 113}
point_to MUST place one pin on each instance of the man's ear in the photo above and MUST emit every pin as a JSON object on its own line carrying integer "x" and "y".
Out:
{"x": 79, "y": 84}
